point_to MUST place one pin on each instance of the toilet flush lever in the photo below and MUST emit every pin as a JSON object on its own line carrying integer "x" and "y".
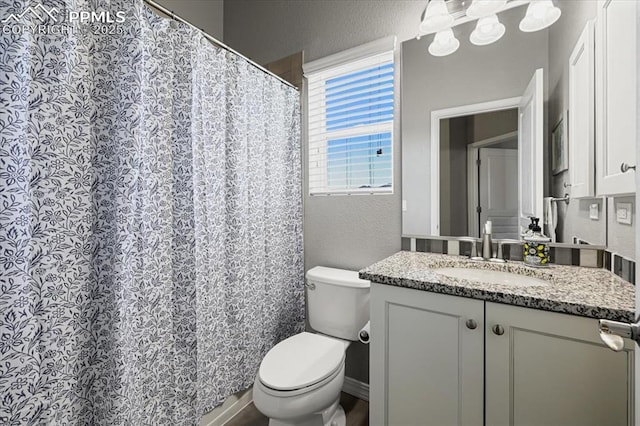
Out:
{"x": 613, "y": 333}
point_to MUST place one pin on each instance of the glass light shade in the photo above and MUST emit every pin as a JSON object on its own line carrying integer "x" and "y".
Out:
{"x": 436, "y": 17}
{"x": 488, "y": 30}
{"x": 444, "y": 43}
{"x": 481, "y": 8}
{"x": 540, "y": 14}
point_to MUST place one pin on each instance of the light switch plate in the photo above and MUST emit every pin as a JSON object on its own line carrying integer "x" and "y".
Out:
{"x": 624, "y": 213}
{"x": 594, "y": 211}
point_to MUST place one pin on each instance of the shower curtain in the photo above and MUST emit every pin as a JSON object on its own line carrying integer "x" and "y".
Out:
{"x": 150, "y": 221}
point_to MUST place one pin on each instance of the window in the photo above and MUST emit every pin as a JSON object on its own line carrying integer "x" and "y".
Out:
{"x": 350, "y": 126}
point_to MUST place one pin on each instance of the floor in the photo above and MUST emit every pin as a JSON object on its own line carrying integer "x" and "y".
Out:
{"x": 357, "y": 413}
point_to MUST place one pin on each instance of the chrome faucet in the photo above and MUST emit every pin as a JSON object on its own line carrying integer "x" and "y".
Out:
{"x": 487, "y": 248}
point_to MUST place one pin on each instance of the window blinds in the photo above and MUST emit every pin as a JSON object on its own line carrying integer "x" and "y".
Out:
{"x": 350, "y": 126}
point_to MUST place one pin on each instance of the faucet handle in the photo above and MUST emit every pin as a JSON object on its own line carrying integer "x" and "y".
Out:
{"x": 501, "y": 243}
{"x": 499, "y": 258}
{"x": 473, "y": 255}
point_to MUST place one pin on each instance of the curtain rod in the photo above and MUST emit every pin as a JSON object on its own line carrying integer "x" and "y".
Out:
{"x": 214, "y": 40}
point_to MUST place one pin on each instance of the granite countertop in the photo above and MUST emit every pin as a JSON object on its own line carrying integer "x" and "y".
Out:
{"x": 588, "y": 292}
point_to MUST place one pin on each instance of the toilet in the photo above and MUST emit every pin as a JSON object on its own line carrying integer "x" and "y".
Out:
{"x": 300, "y": 379}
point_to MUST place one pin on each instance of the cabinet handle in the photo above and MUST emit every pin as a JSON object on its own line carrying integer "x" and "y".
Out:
{"x": 498, "y": 329}
{"x": 624, "y": 167}
{"x": 471, "y": 324}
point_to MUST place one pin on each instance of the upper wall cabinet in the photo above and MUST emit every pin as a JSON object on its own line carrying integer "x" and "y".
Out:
{"x": 581, "y": 115}
{"x": 616, "y": 81}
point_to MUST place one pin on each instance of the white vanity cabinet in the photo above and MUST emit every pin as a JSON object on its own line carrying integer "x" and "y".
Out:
{"x": 426, "y": 362}
{"x": 546, "y": 368}
{"x": 615, "y": 96}
{"x": 431, "y": 365}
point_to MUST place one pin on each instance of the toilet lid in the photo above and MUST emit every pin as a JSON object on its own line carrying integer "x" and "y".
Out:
{"x": 300, "y": 361}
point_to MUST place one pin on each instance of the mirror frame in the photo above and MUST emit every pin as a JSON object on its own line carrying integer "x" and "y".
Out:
{"x": 440, "y": 114}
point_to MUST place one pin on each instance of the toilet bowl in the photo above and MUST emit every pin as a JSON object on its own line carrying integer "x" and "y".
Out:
{"x": 300, "y": 379}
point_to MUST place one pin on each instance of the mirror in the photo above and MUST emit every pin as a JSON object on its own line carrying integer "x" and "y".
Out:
{"x": 443, "y": 188}
{"x": 479, "y": 161}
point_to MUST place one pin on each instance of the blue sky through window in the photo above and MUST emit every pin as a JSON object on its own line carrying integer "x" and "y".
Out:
{"x": 360, "y": 98}
{"x": 355, "y": 162}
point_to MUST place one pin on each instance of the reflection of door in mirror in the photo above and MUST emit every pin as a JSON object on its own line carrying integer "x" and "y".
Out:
{"x": 479, "y": 173}
{"x": 498, "y": 189}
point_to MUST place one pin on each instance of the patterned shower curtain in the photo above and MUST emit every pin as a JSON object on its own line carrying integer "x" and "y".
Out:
{"x": 150, "y": 221}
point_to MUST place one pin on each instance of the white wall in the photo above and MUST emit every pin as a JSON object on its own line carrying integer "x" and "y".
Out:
{"x": 471, "y": 75}
{"x": 204, "y": 14}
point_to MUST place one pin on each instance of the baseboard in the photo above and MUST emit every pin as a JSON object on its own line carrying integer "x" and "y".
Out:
{"x": 224, "y": 413}
{"x": 356, "y": 388}
{"x": 230, "y": 408}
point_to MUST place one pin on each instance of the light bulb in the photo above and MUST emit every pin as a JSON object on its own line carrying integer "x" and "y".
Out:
{"x": 540, "y": 14}
{"x": 488, "y": 30}
{"x": 538, "y": 10}
{"x": 485, "y": 28}
{"x": 444, "y": 43}
{"x": 436, "y": 17}
{"x": 481, "y": 8}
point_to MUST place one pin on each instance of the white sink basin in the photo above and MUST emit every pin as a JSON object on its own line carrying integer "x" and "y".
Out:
{"x": 491, "y": 277}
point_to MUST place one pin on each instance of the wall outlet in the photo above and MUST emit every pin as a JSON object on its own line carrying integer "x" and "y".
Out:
{"x": 624, "y": 212}
{"x": 594, "y": 211}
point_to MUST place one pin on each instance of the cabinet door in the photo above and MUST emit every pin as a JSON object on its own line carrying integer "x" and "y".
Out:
{"x": 616, "y": 81}
{"x": 552, "y": 369}
{"x": 581, "y": 115}
{"x": 426, "y": 365}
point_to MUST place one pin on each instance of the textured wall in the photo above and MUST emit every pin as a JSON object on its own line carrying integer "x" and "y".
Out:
{"x": 204, "y": 14}
{"x": 621, "y": 237}
{"x": 268, "y": 30}
{"x": 348, "y": 232}
{"x": 471, "y": 75}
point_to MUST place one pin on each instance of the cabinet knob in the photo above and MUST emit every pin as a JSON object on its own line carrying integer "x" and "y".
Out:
{"x": 498, "y": 329}
{"x": 471, "y": 324}
{"x": 624, "y": 167}
{"x": 566, "y": 185}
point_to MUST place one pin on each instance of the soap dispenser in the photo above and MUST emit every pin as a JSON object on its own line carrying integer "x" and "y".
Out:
{"x": 536, "y": 245}
{"x": 529, "y": 232}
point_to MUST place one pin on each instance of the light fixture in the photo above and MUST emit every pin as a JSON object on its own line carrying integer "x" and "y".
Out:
{"x": 488, "y": 30}
{"x": 436, "y": 17}
{"x": 444, "y": 43}
{"x": 440, "y": 16}
{"x": 540, "y": 15}
{"x": 482, "y": 8}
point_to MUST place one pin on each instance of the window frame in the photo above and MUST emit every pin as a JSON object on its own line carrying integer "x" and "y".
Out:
{"x": 318, "y": 138}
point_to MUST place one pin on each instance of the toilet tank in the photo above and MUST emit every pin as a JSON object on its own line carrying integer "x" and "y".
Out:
{"x": 338, "y": 302}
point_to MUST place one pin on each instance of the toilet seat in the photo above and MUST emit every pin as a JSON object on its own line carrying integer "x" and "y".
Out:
{"x": 301, "y": 361}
